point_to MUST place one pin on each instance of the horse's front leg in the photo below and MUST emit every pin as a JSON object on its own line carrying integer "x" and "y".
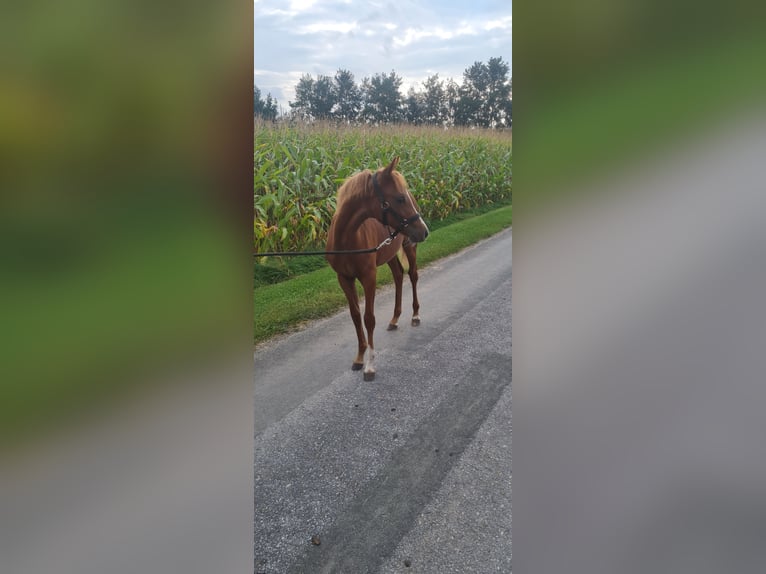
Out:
{"x": 368, "y": 282}
{"x": 349, "y": 289}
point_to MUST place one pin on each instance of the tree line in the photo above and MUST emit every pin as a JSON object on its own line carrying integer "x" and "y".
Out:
{"x": 483, "y": 99}
{"x": 266, "y": 109}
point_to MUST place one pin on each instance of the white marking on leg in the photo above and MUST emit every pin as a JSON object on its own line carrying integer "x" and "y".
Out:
{"x": 369, "y": 365}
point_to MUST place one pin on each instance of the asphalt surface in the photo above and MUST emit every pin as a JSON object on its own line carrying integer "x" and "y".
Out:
{"x": 410, "y": 472}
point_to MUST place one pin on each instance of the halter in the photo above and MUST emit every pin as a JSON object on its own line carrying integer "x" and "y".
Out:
{"x": 386, "y": 207}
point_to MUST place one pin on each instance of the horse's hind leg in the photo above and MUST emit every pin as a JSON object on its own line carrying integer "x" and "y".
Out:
{"x": 410, "y": 250}
{"x": 398, "y": 272}
{"x": 349, "y": 288}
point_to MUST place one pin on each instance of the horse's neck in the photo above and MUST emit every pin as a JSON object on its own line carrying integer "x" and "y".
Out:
{"x": 348, "y": 220}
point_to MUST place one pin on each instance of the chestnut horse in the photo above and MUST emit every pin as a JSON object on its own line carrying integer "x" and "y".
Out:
{"x": 370, "y": 208}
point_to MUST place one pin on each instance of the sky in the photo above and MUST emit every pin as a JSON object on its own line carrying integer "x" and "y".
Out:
{"x": 414, "y": 38}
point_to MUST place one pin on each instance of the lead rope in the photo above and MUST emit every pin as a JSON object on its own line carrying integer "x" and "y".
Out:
{"x": 386, "y": 241}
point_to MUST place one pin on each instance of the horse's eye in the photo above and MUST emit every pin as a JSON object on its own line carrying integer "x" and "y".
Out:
{"x": 400, "y": 199}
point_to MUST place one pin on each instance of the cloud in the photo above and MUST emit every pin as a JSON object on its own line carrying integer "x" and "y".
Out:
{"x": 412, "y": 35}
{"x": 327, "y": 26}
{"x": 301, "y": 5}
{"x": 414, "y": 38}
{"x": 463, "y": 28}
{"x": 503, "y": 23}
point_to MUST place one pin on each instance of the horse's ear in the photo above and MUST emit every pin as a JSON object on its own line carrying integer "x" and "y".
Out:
{"x": 392, "y": 166}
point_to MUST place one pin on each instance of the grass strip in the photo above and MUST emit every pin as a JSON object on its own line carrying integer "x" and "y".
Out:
{"x": 279, "y": 308}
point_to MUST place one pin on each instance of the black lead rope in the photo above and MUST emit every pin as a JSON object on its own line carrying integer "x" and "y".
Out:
{"x": 386, "y": 241}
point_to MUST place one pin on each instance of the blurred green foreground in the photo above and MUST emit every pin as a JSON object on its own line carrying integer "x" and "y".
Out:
{"x": 119, "y": 145}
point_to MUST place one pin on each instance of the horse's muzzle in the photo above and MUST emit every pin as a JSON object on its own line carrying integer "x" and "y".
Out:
{"x": 417, "y": 234}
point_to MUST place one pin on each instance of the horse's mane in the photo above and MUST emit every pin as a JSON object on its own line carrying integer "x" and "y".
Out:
{"x": 355, "y": 187}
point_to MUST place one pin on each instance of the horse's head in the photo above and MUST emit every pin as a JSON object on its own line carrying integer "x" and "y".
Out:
{"x": 398, "y": 208}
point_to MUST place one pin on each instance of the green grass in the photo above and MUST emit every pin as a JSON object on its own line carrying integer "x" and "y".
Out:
{"x": 435, "y": 224}
{"x": 281, "y": 307}
{"x": 277, "y": 269}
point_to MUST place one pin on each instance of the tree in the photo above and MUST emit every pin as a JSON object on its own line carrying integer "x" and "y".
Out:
{"x": 435, "y": 110}
{"x": 452, "y": 96}
{"x": 257, "y": 102}
{"x": 348, "y": 97}
{"x": 314, "y": 99}
{"x": 472, "y": 93}
{"x": 414, "y": 107}
{"x": 467, "y": 107}
{"x": 367, "y": 112}
{"x": 270, "y": 108}
{"x": 382, "y": 99}
{"x": 266, "y": 109}
{"x": 498, "y": 95}
{"x": 323, "y": 98}
{"x": 484, "y": 94}
{"x": 304, "y": 89}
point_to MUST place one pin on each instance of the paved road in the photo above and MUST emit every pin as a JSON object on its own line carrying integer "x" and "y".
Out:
{"x": 411, "y": 472}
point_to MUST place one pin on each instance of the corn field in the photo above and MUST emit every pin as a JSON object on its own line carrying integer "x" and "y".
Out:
{"x": 298, "y": 170}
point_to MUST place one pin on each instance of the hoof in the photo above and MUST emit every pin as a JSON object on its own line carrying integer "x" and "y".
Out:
{"x": 357, "y": 366}
{"x": 415, "y": 321}
{"x": 369, "y": 376}
{"x": 392, "y": 327}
